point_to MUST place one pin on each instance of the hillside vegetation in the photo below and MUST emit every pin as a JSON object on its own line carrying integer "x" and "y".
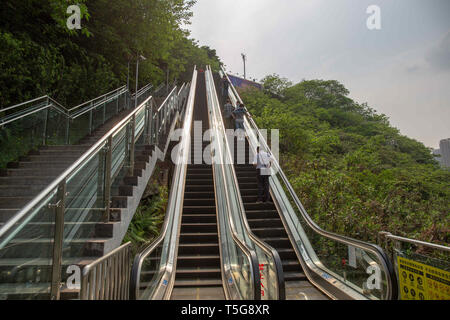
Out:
{"x": 39, "y": 55}
{"x": 355, "y": 174}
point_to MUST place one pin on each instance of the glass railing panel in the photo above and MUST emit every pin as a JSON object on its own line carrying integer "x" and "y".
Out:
{"x": 79, "y": 127}
{"x": 56, "y": 127}
{"x": 237, "y": 265}
{"x": 119, "y": 152}
{"x": 17, "y": 138}
{"x": 111, "y": 108}
{"x": 150, "y": 275}
{"x": 26, "y": 253}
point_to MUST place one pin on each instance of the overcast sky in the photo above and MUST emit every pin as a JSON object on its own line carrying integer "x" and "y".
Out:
{"x": 402, "y": 70}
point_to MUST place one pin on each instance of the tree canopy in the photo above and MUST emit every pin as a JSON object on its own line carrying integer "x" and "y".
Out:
{"x": 39, "y": 55}
{"x": 355, "y": 173}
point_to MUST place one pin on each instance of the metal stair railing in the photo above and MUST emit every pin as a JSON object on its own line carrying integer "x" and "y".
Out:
{"x": 80, "y": 197}
{"x": 43, "y": 121}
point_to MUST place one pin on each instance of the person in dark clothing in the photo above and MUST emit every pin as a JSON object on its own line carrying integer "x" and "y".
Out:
{"x": 263, "y": 161}
{"x": 225, "y": 87}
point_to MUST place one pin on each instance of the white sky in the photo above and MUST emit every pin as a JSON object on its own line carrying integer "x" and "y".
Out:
{"x": 402, "y": 70}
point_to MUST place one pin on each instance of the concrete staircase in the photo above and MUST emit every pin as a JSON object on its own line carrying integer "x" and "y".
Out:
{"x": 25, "y": 263}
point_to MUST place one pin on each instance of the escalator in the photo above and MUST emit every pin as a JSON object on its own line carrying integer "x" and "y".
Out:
{"x": 198, "y": 275}
{"x": 316, "y": 264}
{"x": 266, "y": 223}
{"x": 204, "y": 250}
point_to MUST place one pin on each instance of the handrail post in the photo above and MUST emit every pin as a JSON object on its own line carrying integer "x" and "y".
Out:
{"x": 148, "y": 124}
{"x": 90, "y": 119}
{"x": 108, "y": 182}
{"x": 117, "y": 104}
{"x": 104, "y": 111}
{"x": 67, "y": 129}
{"x": 133, "y": 141}
{"x": 58, "y": 238}
{"x": 157, "y": 129}
{"x": 47, "y": 115}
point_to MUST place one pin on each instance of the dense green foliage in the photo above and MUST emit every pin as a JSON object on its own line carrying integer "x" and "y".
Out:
{"x": 39, "y": 55}
{"x": 355, "y": 174}
{"x": 147, "y": 221}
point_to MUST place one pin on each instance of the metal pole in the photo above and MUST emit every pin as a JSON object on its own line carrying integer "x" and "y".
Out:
{"x": 128, "y": 76}
{"x": 67, "y": 129}
{"x": 59, "y": 207}
{"x": 167, "y": 80}
{"x": 137, "y": 78}
{"x": 108, "y": 182}
{"x": 133, "y": 130}
{"x": 47, "y": 114}
{"x": 244, "y": 58}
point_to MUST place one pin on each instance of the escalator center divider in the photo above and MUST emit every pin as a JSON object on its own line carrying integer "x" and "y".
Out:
{"x": 198, "y": 274}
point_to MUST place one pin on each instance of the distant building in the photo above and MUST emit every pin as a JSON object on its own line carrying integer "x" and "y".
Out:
{"x": 445, "y": 152}
{"x": 243, "y": 83}
{"x": 437, "y": 155}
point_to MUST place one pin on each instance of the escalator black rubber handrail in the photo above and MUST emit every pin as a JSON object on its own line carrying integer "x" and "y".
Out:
{"x": 388, "y": 266}
{"x": 265, "y": 247}
{"x": 140, "y": 257}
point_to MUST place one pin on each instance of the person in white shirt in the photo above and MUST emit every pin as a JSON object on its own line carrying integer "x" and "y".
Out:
{"x": 263, "y": 161}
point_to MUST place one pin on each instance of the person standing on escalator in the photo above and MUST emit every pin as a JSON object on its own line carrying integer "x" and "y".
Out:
{"x": 263, "y": 161}
{"x": 228, "y": 115}
{"x": 238, "y": 115}
{"x": 225, "y": 85}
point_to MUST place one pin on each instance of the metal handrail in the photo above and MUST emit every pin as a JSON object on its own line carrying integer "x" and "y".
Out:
{"x": 169, "y": 96}
{"x": 269, "y": 250}
{"x": 98, "y": 98}
{"x": 430, "y": 245}
{"x": 181, "y": 169}
{"x": 70, "y": 113}
{"x": 113, "y": 287}
{"x": 375, "y": 249}
{"x": 249, "y": 252}
{"x": 64, "y": 176}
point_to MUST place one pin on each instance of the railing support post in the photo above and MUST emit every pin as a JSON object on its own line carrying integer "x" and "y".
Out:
{"x": 104, "y": 112}
{"x": 90, "y": 120}
{"x": 148, "y": 124}
{"x": 67, "y": 129}
{"x": 58, "y": 240}
{"x": 157, "y": 129}
{"x": 108, "y": 182}
{"x": 47, "y": 115}
{"x": 133, "y": 138}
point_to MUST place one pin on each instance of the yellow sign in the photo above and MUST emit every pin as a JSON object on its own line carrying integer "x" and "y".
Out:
{"x": 419, "y": 281}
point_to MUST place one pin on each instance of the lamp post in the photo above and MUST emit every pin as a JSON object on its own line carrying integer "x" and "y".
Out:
{"x": 244, "y": 58}
{"x": 137, "y": 76}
